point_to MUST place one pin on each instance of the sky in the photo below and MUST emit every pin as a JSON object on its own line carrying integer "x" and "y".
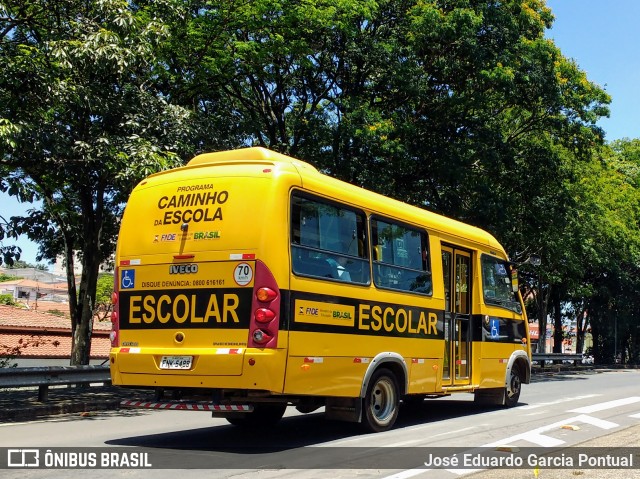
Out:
{"x": 602, "y": 36}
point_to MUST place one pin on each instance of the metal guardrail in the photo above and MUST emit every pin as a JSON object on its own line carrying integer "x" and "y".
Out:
{"x": 46, "y": 376}
{"x": 556, "y": 357}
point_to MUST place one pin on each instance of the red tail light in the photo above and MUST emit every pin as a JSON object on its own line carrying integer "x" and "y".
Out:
{"x": 265, "y": 319}
{"x": 265, "y": 295}
{"x": 264, "y": 315}
{"x": 115, "y": 313}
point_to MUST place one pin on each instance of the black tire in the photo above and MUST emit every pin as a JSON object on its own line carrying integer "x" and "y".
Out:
{"x": 263, "y": 416}
{"x": 514, "y": 385}
{"x": 381, "y": 402}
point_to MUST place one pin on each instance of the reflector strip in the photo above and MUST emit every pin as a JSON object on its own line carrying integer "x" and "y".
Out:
{"x": 361, "y": 360}
{"x": 228, "y": 351}
{"x": 188, "y": 406}
{"x": 130, "y": 262}
{"x": 417, "y": 361}
{"x": 314, "y": 360}
{"x": 503, "y": 361}
{"x": 130, "y": 350}
{"x": 236, "y": 256}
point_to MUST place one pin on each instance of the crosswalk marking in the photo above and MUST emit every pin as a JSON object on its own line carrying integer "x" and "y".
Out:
{"x": 537, "y": 436}
{"x": 594, "y": 421}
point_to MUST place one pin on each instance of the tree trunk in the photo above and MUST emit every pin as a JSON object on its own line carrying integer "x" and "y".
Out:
{"x": 543, "y": 302}
{"x": 581, "y": 327}
{"x": 558, "y": 334}
{"x": 81, "y": 349}
{"x": 92, "y": 227}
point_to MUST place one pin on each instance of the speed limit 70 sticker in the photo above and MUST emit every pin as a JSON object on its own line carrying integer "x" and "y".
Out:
{"x": 243, "y": 274}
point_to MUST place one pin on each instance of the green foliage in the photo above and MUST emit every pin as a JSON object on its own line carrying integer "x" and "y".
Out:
{"x": 18, "y": 263}
{"x": 7, "y": 277}
{"x": 462, "y": 107}
{"x": 104, "y": 289}
{"x": 8, "y": 300}
{"x": 103, "y": 303}
{"x": 81, "y": 124}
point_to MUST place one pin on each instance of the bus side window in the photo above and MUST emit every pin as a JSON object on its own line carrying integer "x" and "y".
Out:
{"x": 331, "y": 240}
{"x": 400, "y": 255}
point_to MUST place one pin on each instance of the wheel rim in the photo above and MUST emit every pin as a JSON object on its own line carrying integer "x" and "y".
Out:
{"x": 514, "y": 384}
{"x": 382, "y": 403}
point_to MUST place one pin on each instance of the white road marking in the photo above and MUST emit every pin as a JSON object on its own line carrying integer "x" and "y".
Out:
{"x": 557, "y": 401}
{"x": 416, "y": 441}
{"x": 407, "y": 474}
{"x": 594, "y": 421}
{"x": 603, "y": 406}
{"x": 535, "y": 436}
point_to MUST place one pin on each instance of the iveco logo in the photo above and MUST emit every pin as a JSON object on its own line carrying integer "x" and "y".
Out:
{"x": 183, "y": 268}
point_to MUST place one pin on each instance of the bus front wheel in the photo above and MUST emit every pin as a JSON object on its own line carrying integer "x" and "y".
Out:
{"x": 514, "y": 385}
{"x": 381, "y": 402}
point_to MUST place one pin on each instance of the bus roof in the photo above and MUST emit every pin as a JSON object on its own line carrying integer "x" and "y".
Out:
{"x": 343, "y": 191}
{"x": 254, "y": 154}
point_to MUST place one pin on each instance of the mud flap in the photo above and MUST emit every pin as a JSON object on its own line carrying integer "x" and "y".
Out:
{"x": 343, "y": 409}
{"x": 489, "y": 397}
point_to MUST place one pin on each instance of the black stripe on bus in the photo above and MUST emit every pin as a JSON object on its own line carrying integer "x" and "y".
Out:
{"x": 494, "y": 329}
{"x": 321, "y": 313}
{"x": 228, "y": 308}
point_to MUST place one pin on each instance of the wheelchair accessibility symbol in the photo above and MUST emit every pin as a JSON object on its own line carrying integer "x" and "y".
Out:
{"x": 495, "y": 328}
{"x": 127, "y": 279}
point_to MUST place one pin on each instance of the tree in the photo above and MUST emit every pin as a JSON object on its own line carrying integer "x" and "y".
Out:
{"x": 461, "y": 107}
{"x": 104, "y": 290}
{"x": 8, "y": 254}
{"x": 18, "y": 263}
{"x": 79, "y": 124}
{"x": 612, "y": 198}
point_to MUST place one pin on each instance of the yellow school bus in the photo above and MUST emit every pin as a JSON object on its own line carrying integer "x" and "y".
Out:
{"x": 247, "y": 281}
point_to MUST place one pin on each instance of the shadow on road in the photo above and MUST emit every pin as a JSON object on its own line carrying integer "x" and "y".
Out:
{"x": 290, "y": 444}
{"x": 568, "y": 375}
{"x": 295, "y": 431}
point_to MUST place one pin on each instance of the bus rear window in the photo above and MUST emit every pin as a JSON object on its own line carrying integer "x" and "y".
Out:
{"x": 328, "y": 240}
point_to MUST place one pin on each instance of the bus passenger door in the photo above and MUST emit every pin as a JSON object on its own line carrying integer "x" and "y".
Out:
{"x": 456, "y": 267}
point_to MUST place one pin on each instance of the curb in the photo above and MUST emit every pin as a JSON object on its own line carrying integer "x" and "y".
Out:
{"x": 55, "y": 409}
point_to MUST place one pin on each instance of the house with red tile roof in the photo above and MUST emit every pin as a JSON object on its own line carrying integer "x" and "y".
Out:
{"x": 31, "y": 291}
{"x": 36, "y": 338}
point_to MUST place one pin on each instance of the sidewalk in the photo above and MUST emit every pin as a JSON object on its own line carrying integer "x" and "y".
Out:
{"x": 23, "y": 405}
{"x": 616, "y": 441}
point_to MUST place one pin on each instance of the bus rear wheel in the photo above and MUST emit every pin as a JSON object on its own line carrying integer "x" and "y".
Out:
{"x": 263, "y": 415}
{"x": 381, "y": 402}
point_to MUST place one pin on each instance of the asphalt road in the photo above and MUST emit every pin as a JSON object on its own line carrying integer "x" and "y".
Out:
{"x": 574, "y": 412}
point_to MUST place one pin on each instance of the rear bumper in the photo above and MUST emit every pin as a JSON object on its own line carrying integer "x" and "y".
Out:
{"x": 252, "y": 369}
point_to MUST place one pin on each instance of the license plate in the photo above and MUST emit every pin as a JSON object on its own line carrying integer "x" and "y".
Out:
{"x": 176, "y": 362}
